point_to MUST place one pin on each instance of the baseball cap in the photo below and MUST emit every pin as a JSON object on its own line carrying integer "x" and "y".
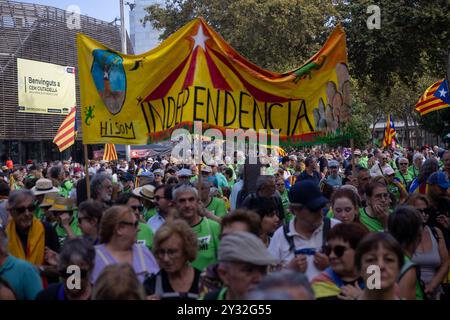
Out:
{"x": 207, "y": 169}
{"x": 440, "y": 179}
{"x": 244, "y": 247}
{"x": 357, "y": 153}
{"x": 184, "y": 173}
{"x": 307, "y": 193}
{"x": 333, "y": 163}
{"x": 147, "y": 174}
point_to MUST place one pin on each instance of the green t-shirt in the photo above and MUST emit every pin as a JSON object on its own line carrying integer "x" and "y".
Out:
{"x": 61, "y": 232}
{"x": 405, "y": 179}
{"x": 413, "y": 172}
{"x": 208, "y": 243}
{"x": 217, "y": 207}
{"x": 149, "y": 213}
{"x": 372, "y": 224}
{"x": 39, "y": 213}
{"x": 285, "y": 203}
{"x": 65, "y": 189}
{"x": 145, "y": 235}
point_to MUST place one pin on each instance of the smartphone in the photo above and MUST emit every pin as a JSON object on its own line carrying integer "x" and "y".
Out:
{"x": 305, "y": 251}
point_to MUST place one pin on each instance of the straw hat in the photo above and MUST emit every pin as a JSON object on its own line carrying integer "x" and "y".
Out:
{"x": 43, "y": 186}
{"x": 49, "y": 200}
{"x": 62, "y": 204}
{"x": 146, "y": 192}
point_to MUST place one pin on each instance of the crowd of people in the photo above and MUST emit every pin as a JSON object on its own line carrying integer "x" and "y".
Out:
{"x": 323, "y": 224}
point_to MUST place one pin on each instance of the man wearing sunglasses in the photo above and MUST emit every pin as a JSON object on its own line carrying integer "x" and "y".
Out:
{"x": 27, "y": 236}
{"x": 20, "y": 274}
{"x": 403, "y": 174}
{"x": 145, "y": 233}
{"x": 379, "y": 168}
{"x": 164, "y": 204}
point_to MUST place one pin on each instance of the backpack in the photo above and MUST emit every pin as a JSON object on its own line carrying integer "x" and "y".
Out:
{"x": 290, "y": 239}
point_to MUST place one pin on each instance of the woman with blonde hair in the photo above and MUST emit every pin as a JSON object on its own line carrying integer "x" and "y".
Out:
{"x": 118, "y": 232}
{"x": 118, "y": 282}
{"x": 175, "y": 247}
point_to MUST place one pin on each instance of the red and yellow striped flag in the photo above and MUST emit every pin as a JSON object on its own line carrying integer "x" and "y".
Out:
{"x": 432, "y": 100}
{"x": 110, "y": 152}
{"x": 65, "y": 137}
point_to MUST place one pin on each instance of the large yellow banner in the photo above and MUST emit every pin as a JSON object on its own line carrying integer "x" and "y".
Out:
{"x": 45, "y": 87}
{"x": 195, "y": 75}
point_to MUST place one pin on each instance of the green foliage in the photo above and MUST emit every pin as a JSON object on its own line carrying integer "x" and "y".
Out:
{"x": 278, "y": 35}
{"x": 390, "y": 67}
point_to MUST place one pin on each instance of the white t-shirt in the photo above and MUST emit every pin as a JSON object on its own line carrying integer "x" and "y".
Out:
{"x": 279, "y": 246}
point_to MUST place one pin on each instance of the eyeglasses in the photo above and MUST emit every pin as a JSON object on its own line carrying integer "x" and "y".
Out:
{"x": 21, "y": 210}
{"x": 280, "y": 184}
{"x": 140, "y": 208}
{"x": 403, "y": 163}
{"x": 131, "y": 224}
{"x": 171, "y": 253}
{"x": 338, "y": 250}
{"x": 157, "y": 198}
{"x": 424, "y": 210}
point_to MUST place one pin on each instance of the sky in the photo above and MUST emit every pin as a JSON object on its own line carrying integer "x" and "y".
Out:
{"x": 106, "y": 10}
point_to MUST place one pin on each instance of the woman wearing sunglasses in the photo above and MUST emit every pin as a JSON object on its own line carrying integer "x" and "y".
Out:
{"x": 27, "y": 236}
{"x": 118, "y": 234}
{"x": 145, "y": 234}
{"x": 341, "y": 280}
{"x": 76, "y": 252}
{"x": 431, "y": 255}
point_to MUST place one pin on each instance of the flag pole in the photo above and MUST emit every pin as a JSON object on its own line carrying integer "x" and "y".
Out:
{"x": 123, "y": 33}
{"x": 352, "y": 146}
{"x": 86, "y": 168}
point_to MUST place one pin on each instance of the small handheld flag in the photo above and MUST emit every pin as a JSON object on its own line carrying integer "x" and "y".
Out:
{"x": 110, "y": 152}
{"x": 436, "y": 97}
{"x": 389, "y": 132}
{"x": 65, "y": 136}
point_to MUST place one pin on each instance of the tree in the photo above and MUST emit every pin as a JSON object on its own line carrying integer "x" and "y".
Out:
{"x": 412, "y": 41}
{"x": 278, "y": 35}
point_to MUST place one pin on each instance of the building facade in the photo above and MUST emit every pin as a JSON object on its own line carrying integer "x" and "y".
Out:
{"x": 45, "y": 34}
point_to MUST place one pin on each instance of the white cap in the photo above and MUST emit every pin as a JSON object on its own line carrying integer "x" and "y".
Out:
{"x": 388, "y": 171}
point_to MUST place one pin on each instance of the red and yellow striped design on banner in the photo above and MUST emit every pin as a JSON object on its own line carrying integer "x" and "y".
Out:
{"x": 110, "y": 152}
{"x": 65, "y": 136}
{"x": 428, "y": 102}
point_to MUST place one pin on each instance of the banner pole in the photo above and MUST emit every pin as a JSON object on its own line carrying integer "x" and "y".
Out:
{"x": 352, "y": 146}
{"x": 86, "y": 168}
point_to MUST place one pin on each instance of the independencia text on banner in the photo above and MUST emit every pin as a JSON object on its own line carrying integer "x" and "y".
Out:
{"x": 194, "y": 75}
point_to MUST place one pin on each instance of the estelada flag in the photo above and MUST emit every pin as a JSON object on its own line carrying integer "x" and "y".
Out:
{"x": 110, "y": 152}
{"x": 194, "y": 75}
{"x": 65, "y": 136}
{"x": 389, "y": 132}
{"x": 436, "y": 97}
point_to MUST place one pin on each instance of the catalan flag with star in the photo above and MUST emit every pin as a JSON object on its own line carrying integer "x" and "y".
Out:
{"x": 195, "y": 76}
{"x": 436, "y": 97}
{"x": 389, "y": 132}
{"x": 65, "y": 136}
